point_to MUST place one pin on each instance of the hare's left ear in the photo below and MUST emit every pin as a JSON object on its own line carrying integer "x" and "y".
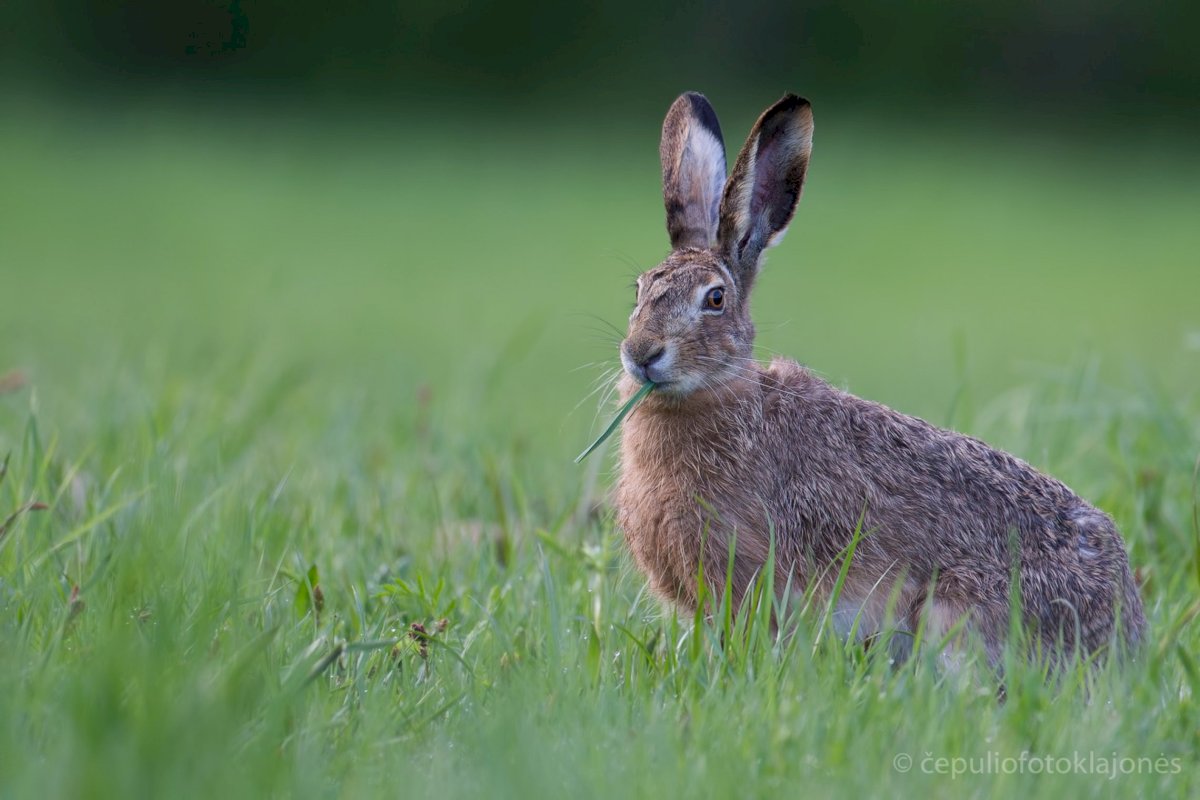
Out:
{"x": 765, "y": 186}
{"x": 693, "y": 170}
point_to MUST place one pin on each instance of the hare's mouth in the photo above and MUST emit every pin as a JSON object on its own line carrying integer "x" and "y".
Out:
{"x": 661, "y": 365}
{"x": 678, "y": 385}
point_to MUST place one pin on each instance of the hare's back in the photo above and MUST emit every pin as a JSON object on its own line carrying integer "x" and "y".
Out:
{"x": 918, "y": 481}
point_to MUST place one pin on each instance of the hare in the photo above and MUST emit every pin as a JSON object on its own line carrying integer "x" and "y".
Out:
{"x": 727, "y": 451}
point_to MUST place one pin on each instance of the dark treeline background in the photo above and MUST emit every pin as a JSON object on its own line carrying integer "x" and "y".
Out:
{"x": 1075, "y": 58}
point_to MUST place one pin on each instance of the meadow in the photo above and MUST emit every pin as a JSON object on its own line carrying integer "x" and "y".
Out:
{"x": 300, "y": 398}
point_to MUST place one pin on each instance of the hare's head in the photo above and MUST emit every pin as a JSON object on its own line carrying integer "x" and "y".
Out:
{"x": 690, "y": 328}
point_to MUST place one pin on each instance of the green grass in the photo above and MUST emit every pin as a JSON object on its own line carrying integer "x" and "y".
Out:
{"x": 267, "y": 357}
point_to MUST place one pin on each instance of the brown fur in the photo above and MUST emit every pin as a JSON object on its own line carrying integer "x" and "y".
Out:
{"x": 725, "y": 447}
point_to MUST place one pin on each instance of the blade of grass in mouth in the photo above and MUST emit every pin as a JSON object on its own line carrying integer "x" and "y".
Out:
{"x": 612, "y": 426}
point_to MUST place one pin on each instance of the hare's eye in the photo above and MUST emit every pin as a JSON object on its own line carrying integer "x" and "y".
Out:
{"x": 715, "y": 299}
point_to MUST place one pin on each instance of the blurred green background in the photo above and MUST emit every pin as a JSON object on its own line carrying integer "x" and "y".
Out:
{"x": 453, "y": 197}
{"x": 1107, "y": 57}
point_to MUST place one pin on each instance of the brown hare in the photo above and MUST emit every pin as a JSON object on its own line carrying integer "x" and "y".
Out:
{"x": 726, "y": 448}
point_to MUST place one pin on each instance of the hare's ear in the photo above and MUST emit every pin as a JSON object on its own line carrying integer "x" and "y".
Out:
{"x": 764, "y": 188}
{"x": 693, "y": 167}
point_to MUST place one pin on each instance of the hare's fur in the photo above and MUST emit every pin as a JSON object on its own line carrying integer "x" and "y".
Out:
{"x": 727, "y": 448}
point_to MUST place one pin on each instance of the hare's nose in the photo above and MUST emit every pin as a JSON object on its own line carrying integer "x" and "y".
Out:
{"x": 651, "y": 358}
{"x": 644, "y": 364}
{"x": 652, "y": 365}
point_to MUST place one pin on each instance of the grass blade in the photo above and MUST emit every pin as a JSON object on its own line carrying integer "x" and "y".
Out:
{"x": 612, "y": 426}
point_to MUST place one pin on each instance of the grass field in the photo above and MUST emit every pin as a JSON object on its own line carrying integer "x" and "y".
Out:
{"x": 289, "y": 388}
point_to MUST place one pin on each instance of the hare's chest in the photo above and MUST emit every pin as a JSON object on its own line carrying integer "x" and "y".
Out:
{"x": 675, "y": 522}
{"x": 663, "y": 526}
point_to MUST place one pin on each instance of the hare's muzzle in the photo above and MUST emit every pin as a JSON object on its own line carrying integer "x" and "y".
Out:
{"x": 646, "y": 360}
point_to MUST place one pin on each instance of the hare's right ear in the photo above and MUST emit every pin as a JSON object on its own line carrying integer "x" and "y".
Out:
{"x": 693, "y": 168}
{"x": 765, "y": 186}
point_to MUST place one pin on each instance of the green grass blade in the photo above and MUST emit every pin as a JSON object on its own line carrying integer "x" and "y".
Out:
{"x": 647, "y": 387}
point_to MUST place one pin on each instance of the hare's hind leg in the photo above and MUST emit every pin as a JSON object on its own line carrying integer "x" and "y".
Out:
{"x": 957, "y": 631}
